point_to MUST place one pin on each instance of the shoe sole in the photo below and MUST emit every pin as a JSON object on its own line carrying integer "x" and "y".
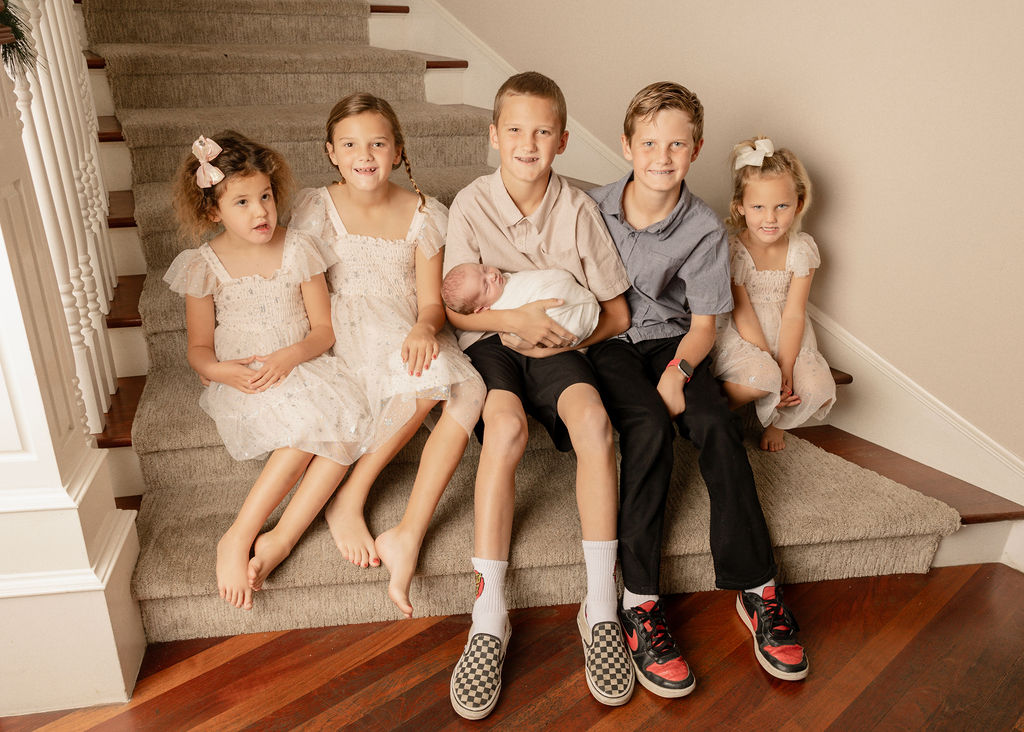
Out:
{"x": 474, "y": 714}
{"x": 657, "y": 690}
{"x": 784, "y": 675}
{"x": 581, "y": 624}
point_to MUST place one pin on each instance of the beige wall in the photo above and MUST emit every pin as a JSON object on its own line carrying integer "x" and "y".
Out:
{"x": 910, "y": 119}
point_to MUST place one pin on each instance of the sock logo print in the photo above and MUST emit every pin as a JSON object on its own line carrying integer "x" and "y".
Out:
{"x": 479, "y": 580}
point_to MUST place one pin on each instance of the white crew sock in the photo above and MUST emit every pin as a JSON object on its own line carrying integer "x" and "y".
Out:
{"x": 601, "y": 595}
{"x": 759, "y": 590}
{"x": 490, "y": 613}
{"x": 630, "y": 599}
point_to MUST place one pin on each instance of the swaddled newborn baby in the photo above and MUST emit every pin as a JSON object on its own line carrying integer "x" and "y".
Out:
{"x": 470, "y": 288}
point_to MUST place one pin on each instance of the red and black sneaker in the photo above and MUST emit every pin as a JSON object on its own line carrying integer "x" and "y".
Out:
{"x": 774, "y": 629}
{"x": 659, "y": 665}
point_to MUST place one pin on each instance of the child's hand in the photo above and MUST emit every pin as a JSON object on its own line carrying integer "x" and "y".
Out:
{"x": 537, "y": 328}
{"x": 276, "y": 366}
{"x": 235, "y": 373}
{"x": 786, "y": 396}
{"x": 670, "y": 387}
{"x": 419, "y": 349}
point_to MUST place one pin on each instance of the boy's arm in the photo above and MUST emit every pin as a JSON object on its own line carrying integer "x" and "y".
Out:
{"x": 530, "y": 323}
{"x": 694, "y": 348}
{"x": 613, "y": 320}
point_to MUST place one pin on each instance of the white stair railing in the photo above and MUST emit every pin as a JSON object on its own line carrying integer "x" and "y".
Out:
{"x": 58, "y": 120}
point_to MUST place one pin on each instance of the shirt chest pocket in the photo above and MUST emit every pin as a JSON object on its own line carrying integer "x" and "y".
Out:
{"x": 655, "y": 268}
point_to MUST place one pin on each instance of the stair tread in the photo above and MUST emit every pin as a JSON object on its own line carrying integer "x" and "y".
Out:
{"x": 121, "y": 415}
{"x": 122, "y": 209}
{"x": 974, "y": 504}
{"x": 109, "y": 129}
{"x": 124, "y": 308}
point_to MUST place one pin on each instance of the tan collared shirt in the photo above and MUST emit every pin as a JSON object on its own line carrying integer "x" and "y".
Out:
{"x": 565, "y": 232}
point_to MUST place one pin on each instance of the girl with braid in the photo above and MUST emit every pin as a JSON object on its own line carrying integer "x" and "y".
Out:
{"x": 390, "y": 331}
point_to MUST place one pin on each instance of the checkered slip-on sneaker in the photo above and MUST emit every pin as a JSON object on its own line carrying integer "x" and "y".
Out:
{"x": 608, "y": 669}
{"x": 476, "y": 680}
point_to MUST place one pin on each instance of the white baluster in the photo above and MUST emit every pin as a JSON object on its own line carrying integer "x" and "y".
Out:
{"x": 37, "y": 136}
{"x": 80, "y": 94}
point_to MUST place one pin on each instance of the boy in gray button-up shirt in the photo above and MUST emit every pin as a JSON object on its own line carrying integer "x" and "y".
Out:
{"x": 655, "y": 377}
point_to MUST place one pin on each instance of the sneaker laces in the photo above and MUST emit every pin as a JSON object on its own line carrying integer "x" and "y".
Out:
{"x": 781, "y": 623}
{"x": 661, "y": 640}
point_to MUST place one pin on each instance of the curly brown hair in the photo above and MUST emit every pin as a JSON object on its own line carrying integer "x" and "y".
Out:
{"x": 239, "y": 155}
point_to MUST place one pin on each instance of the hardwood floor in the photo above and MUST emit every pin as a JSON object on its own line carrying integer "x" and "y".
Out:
{"x": 938, "y": 651}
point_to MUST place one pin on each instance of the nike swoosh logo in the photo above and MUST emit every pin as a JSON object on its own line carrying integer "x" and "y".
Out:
{"x": 632, "y": 640}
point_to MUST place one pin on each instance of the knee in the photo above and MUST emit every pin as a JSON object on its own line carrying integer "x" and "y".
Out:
{"x": 506, "y": 432}
{"x": 591, "y": 430}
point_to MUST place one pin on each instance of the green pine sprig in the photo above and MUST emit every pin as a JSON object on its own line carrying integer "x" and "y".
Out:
{"x": 18, "y": 57}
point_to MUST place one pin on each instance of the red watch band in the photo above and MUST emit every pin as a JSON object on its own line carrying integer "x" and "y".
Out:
{"x": 674, "y": 364}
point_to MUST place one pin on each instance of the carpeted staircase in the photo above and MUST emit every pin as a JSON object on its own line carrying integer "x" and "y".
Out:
{"x": 272, "y": 69}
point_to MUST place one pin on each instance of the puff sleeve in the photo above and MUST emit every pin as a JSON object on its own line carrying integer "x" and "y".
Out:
{"x": 307, "y": 256}
{"x": 740, "y": 263}
{"x": 191, "y": 274}
{"x": 803, "y": 255}
{"x": 434, "y": 228}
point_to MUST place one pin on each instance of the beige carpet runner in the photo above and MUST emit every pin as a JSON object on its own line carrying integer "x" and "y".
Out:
{"x": 192, "y": 67}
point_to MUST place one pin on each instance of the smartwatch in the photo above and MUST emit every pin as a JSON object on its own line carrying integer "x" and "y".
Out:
{"x": 684, "y": 368}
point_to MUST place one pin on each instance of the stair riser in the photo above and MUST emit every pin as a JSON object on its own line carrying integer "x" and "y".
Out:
{"x": 159, "y": 90}
{"x": 173, "y": 27}
{"x": 306, "y": 155}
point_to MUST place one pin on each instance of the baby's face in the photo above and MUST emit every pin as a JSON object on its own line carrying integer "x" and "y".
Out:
{"x": 483, "y": 286}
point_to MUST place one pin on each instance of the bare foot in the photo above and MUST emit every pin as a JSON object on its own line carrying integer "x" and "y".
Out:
{"x": 773, "y": 439}
{"x": 399, "y": 553}
{"x": 232, "y": 582}
{"x": 270, "y": 552}
{"x": 351, "y": 535}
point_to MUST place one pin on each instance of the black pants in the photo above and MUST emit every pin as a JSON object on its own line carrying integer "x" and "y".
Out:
{"x": 740, "y": 544}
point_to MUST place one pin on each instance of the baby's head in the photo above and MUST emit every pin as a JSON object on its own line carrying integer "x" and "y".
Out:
{"x": 757, "y": 161}
{"x": 470, "y": 288}
{"x": 204, "y": 176}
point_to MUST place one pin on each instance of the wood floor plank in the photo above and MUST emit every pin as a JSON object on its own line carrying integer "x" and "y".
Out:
{"x": 851, "y": 680}
{"x": 940, "y": 651}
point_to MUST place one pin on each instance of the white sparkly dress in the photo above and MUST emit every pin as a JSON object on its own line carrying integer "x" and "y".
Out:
{"x": 741, "y": 362}
{"x": 316, "y": 408}
{"x": 374, "y": 306}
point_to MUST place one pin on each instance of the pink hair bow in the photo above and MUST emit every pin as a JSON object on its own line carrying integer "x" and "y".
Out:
{"x": 754, "y": 156}
{"x": 206, "y": 150}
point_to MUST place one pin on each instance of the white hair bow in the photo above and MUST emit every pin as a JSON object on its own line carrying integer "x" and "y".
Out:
{"x": 754, "y": 156}
{"x": 206, "y": 150}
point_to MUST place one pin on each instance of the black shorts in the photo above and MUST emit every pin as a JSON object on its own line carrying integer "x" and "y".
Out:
{"x": 538, "y": 382}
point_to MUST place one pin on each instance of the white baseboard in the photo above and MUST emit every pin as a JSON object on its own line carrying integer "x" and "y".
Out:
{"x": 885, "y": 406}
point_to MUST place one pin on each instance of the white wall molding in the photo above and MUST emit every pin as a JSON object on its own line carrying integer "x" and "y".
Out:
{"x": 887, "y": 407}
{"x": 432, "y": 29}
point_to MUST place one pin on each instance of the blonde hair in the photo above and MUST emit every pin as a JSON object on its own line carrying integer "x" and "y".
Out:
{"x": 239, "y": 156}
{"x": 451, "y": 290}
{"x": 533, "y": 84}
{"x": 664, "y": 95}
{"x": 360, "y": 102}
{"x": 782, "y": 162}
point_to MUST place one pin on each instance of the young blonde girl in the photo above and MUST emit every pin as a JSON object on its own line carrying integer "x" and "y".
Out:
{"x": 389, "y": 321}
{"x": 258, "y": 319}
{"x": 766, "y": 351}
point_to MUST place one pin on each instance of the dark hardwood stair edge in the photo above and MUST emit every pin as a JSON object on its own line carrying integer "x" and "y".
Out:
{"x": 121, "y": 414}
{"x": 975, "y": 505}
{"x": 124, "y": 308}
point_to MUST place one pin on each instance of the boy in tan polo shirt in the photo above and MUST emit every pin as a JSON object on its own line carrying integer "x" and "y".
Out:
{"x": 525, "y": 217}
